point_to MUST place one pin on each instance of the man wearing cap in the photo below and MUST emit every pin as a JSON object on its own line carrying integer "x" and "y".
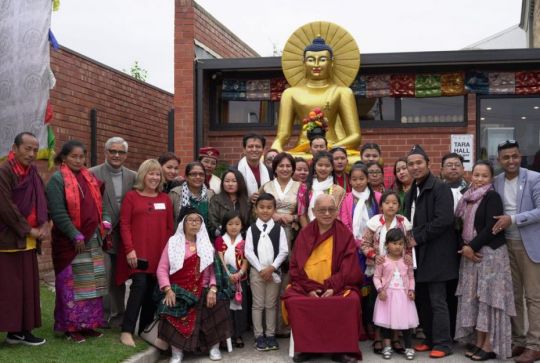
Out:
{"x": 208, "y": 156}
{"x": 520, "y": 192}
{"x": 430, "y": 207}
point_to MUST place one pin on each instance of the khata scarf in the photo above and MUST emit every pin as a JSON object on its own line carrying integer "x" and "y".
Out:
{"x": 282, "y": 194}
{"x": 360, "y": 213}
{"x": 177, "y": 248}
{"x": 317, "y": 189}
{"x": 466, "y": 209}
{"x": 251, "y": 181}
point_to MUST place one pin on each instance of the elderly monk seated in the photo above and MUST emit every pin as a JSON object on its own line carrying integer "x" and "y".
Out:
{"x": 322, "y": 302}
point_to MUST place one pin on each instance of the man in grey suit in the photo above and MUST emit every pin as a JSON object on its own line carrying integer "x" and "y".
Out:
{"x": 118, "y": 181}
{"x": 520, "y": 192}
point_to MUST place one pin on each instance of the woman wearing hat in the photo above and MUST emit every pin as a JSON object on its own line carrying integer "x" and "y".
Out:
{"x": 208, "y": 156}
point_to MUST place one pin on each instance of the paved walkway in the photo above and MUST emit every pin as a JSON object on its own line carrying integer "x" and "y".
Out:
{"x": 249, "y": 354}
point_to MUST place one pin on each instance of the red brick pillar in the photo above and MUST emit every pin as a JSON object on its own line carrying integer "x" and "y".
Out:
{"x": 184, "y": 96}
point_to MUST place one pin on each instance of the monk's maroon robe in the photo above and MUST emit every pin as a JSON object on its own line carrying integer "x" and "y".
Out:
{"x": 331, "y": 324}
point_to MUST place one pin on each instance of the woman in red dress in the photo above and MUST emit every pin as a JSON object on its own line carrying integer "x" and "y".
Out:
{"x": 146, "y": 223}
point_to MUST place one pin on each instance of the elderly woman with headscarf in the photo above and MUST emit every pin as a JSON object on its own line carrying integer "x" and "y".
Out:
{"x": 194, "y": 306}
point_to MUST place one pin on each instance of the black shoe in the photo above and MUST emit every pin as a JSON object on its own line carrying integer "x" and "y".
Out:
{"x": 481, "y": 355}
{"x": 25, "y": 338}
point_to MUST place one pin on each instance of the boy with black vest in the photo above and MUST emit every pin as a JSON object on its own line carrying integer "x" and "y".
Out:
{"x": 266, "y": 249}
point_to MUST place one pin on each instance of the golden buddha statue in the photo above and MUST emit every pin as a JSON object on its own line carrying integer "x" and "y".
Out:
{"x": 319, "y": 75}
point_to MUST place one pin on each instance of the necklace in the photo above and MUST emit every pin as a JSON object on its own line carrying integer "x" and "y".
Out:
{"x": 192, "y": 247}
{"x": 80, "y": 189}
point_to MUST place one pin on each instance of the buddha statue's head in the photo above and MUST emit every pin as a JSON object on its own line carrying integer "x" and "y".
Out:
{"x": 318, "y": 60}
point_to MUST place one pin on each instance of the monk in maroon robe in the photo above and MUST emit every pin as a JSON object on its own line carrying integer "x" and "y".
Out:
{"x": 322, "y": 302}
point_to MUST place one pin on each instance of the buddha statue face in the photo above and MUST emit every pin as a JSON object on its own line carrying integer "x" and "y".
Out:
{"x": 318, "y": 65}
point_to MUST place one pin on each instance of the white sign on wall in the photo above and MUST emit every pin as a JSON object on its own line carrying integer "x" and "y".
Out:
{"x": 464, "y": 146}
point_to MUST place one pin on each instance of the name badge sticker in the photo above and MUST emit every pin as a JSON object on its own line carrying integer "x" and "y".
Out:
{"x": 159, "y": 206}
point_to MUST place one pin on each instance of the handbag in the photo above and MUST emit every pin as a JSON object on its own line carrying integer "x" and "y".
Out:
{"x": 238, "y": 294}
{"x": 150, "y": 335}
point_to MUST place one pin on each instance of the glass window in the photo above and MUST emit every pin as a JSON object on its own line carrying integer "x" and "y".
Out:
{"x": 244, "y": 112}
{"x": 503, "y": 118}
{"x": 433, "y": 110}
{"x": 376, "y": 109}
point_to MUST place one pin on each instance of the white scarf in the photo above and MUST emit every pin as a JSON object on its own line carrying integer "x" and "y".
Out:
{"x": 251, "y": 181}
{"x": 282, "y": 194}
{"x": 230, "y": 253}
{"x": 382, "y": 236}
{"x": 360, "y": 214}
{"x": 317, "y": 189}
{"x": 177, "y": 248}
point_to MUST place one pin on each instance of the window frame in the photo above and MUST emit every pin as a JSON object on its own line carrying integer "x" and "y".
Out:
{"x": 215, "y": 103}
{"x": 396, "y": 123}
{"x": 479, "y": 98}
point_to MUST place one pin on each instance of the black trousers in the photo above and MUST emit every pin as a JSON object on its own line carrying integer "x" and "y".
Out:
{"x": 434, "y": 314}
{"x": 140, "y": 300}
{"x": 407, "y": 336}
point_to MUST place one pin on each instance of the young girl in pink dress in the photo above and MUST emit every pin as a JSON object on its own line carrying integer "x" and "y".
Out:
{"x": 394, "y": 281}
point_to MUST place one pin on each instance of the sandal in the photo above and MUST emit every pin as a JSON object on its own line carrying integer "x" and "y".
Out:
{"x": 397, "y": 347}
{"x": 481, "y": 355}
{"x": 471, "y": 350}
{"x": 239, "y": 342}
{"x": 377, "y": 346}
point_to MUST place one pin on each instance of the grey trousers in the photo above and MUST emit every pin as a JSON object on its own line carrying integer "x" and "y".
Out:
{"x": 265, "y": 299}
{"x": 114, "y": 302}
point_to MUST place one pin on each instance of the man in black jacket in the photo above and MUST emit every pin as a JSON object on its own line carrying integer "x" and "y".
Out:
{"x": 430, "y": 207}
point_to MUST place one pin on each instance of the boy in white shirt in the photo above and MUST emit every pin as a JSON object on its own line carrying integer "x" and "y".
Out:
{"x": 266, "y": 249}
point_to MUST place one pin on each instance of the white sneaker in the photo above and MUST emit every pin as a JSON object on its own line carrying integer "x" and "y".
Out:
{"x": 177, "y": 355}
{"x": 387, "y": 352}
{"x": 409, "y": 353}
{"x": 215, "y": 354}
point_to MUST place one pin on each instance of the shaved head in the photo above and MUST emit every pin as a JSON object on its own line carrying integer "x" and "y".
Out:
{"x": 325, "y": 211}
{"x": 325, "y": 200}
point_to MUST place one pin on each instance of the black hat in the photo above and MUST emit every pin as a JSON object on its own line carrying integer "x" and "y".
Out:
{"x": 417, "y": 150}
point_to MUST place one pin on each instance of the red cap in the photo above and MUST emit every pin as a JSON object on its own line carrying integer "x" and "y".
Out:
{"x": 209, "y": 151}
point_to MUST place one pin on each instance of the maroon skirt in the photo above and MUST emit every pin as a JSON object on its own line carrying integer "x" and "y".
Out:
{"x": 19, "y": 287}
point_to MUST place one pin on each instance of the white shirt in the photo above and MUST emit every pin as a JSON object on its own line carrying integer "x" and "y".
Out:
{"x": 510, "y": 207}
{"x": 266, "y": 254}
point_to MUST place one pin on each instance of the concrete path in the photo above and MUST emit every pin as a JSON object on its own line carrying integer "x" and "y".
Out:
{"x": 249, "y": 354}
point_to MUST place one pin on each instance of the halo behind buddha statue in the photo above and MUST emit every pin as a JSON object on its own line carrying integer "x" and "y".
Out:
{"x": 345, "y": 52}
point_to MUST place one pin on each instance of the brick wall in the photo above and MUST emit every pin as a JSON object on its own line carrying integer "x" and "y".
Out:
{"x": 192, "y": 23}
{"x": 126, "y": 107}
{"x": 394, "y": 142}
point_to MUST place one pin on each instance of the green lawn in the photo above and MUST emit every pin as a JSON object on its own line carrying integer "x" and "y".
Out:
{"x": 58, "y": 349}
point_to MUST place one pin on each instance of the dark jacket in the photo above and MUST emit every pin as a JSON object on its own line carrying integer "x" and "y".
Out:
{"x": 220, "y": 205}
{"x": 14, "y": 236}
{"x": 433, "y": 229}
{"x": 490, "y": 206}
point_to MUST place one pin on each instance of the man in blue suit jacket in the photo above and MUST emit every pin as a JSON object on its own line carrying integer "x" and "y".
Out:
{"x": 520, "y": 191}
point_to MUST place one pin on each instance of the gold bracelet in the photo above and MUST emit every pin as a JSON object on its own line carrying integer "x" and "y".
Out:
{"x": 213, "y": 289}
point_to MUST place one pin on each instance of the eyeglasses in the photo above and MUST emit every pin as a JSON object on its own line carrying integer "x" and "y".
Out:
{"x": 197, "y": 175}
{"x": 375, "y": 172}
{"x": 330, "y": 210}
{"x": 452, "y": 165}
{"x": 507, "y": 144}
{"x": 193, "y": 220}
{"x": 117, "y": 152}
